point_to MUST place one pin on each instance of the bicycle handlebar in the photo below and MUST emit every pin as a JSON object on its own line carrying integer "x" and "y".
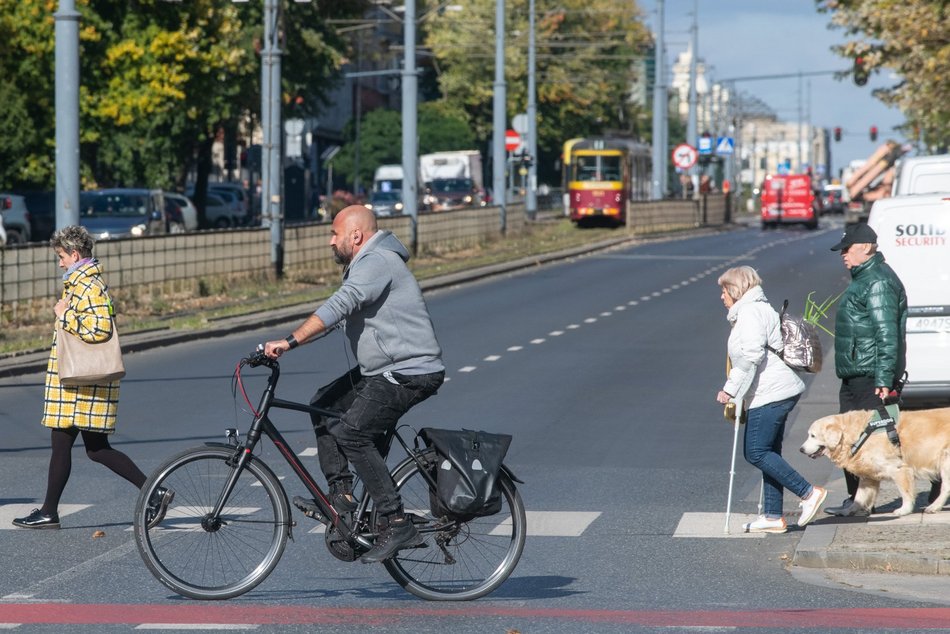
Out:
{"x": 258, "y": 358}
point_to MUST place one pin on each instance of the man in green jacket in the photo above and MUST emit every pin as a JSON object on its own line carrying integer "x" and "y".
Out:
{"x": 870, "y": 332}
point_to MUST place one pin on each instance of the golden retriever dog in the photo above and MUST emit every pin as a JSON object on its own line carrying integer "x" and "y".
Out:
{"x": 924, "y": 453}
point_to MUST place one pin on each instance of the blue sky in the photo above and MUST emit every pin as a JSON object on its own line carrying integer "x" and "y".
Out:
{"x": 741, "y": 38}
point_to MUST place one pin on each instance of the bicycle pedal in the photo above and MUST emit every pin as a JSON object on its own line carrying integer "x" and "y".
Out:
{"x": 310, "y": 509}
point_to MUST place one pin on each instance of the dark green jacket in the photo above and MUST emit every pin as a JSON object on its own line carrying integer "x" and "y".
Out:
{"x": 871, "y": 325}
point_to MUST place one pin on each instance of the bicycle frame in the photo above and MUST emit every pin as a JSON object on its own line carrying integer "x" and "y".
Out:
{"x": 263, "y": 426}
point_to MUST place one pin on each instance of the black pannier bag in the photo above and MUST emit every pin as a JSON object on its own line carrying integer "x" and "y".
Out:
{"x": 467, "y": 471}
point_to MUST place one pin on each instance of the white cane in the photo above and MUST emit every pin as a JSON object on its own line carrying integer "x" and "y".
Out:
{"x": 732, "y": 466}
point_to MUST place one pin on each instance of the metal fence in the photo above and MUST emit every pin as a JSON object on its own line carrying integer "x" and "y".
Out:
{"x": 153, "y": 266}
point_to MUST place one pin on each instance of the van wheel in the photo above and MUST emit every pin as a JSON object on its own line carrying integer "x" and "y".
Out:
{"x": 766, "y": 226}
{"x": 14, "y": 237}
{"x": 811, "y": 226}
{"x": 222, "y": 223}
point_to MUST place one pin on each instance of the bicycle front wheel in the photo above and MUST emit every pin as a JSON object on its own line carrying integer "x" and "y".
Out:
{"x": 461, "y": 560}
{"x": 205, "y": 557}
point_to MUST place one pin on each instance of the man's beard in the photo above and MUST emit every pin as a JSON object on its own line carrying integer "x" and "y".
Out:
{"x": 339, "y": 257}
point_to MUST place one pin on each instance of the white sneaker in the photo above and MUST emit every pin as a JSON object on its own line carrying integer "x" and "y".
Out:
{"x": 766, "y": 525}
{"x": 811, "y": 504}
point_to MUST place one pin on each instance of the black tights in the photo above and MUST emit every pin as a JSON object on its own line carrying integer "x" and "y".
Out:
{"x": 97, "y": 448}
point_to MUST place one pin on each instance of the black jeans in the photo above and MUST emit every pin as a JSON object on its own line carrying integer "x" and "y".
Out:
{"x": 371, "y": 407}
{"x": 856, "y": 393}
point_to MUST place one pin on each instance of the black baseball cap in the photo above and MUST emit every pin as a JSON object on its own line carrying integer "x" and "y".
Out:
{"x": 859, "y": 233}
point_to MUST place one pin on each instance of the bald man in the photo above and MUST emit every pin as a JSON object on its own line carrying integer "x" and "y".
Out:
{"x": 399, "y": 364}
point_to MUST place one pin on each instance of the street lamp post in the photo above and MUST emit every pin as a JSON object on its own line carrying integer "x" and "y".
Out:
{"x": 499, "y": 116}
{"x": 531, "y": 202}
{"x": 67, "y": 114}
{"x": 271, "y": 164}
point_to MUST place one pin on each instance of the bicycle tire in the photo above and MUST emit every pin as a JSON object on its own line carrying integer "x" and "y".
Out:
{"x": 461, "y": 561}
{"x": 202, "y": 560}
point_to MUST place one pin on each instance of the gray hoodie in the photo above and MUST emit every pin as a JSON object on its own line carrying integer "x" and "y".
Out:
{"x": 387, "y": 321}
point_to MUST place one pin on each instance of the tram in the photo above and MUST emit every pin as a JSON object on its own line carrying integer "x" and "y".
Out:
{"x": 601, "y": 174}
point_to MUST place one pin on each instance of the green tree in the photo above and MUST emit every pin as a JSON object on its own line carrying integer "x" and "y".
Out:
{"x": 909, "y": 38}
{"x": 585, "y": 55}
{"x": 440, "y": 126}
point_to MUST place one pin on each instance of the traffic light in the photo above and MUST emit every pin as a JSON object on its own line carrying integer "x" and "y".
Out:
{"x": 860, "y": 71}
{"x": 874, "y": 133}
{"x": 837, "y": 134}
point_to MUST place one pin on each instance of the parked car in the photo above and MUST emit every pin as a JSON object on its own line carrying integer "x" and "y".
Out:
{"x": 386, "y": 203}
{"x": 3, "y": 234}
{"x": 181, "y": 212}
{"x": 42, "y": 207}
{"x": 219, "y": 212}
{"x": 16, "y": 218}
{"x": 237, "y": 190}
{"x": 123, "y": 213}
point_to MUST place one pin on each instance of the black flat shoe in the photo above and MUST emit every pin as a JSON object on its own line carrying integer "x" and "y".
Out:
{"x": 38, "y": 520}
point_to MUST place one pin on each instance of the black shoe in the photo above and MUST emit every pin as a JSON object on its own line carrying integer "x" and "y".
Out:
{"x": 397, "y": 535}
{"x": 38, "y": 520}
{"x": 343, "y": 504}
{"x": 158, "y": 506}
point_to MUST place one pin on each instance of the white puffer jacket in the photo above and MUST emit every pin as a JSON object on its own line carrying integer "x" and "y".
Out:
{"x": 758, "y": 377}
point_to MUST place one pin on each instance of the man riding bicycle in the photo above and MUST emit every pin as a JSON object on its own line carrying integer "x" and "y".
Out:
{"x": 399, "y": 365}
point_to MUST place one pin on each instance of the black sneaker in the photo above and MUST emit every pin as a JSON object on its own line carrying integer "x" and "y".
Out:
{"x": 158, "y": 506}
{"x": 343, "y": 504}
{"x": 38, "y": 520}
{"x": 397, "y": 535}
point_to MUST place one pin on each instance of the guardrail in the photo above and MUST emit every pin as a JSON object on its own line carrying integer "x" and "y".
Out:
{"x": 203, "y": 261}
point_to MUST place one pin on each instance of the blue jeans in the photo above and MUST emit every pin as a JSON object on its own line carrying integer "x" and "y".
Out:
{"x": 371, "y": 408}
{"x": 764, "y": 431}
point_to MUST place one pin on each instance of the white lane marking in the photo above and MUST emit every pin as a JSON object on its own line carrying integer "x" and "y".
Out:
{"x": 197, "y": 626}
{"x": 632, "y": 302}
{"x": 712, "y": 525}
{"x": 553, "y": 523}
{"x": 9, "y": 512}
{"x": 515, "y": 348}
{"x": 492, "y": 357}
{"x": 656, "y": 293}
{"x": 309, "y": 451}
{"x": 555, "y": 333}
{"x": 645, "y": 298}
{"x": 666, "y": 290}
{"x": 9, "y": 626}
{"x": 620, "y": 308}
{"x": 468, "y": 368}
{"x": 606, "y": 313}
{"x": 590, "y": 320}
{"x": 537, "y": 341}
{"x": 573, "y": 326}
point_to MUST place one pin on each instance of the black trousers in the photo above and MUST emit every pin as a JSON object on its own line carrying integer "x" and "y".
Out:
{"x": 858, "y": 393}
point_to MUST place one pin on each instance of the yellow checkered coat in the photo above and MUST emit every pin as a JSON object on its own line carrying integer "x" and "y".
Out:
{"x": 88, "y": 316}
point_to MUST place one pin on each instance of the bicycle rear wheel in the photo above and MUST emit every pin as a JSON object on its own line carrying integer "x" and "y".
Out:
{"x": 461, "y": 560}
{"x": 202, "y": 557}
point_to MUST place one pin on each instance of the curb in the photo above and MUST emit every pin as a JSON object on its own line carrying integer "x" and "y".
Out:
{"x": 815, "y": 550}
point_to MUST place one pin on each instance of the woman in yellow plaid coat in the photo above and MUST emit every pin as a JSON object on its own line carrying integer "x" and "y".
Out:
{"x": 84, "y": 311}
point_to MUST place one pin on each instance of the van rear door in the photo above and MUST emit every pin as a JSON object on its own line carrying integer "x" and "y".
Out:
{"x": 914, "y": 236}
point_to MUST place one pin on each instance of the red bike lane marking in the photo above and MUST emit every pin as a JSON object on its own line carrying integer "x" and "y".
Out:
{"x": 827, "y": 618}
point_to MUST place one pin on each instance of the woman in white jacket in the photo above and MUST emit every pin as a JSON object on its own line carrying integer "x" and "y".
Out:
{"x": 760, "y": 383}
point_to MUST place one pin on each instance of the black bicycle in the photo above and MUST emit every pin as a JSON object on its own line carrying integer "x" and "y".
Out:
{"x": 230, "y": 519}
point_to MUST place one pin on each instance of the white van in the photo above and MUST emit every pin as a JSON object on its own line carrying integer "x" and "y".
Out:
{"x": 922, "y": 175}
{"x": 913, "y": 233}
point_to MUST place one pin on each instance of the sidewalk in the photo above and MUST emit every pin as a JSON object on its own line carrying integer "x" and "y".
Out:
{"x": 918, "y": 543}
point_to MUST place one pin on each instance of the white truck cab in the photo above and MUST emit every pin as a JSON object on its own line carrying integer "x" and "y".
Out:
{"x": 922, "y": 175}
{"x": 913, "y": 233}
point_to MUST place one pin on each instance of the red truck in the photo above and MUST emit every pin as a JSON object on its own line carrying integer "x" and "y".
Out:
{"x": 789, "y": 199}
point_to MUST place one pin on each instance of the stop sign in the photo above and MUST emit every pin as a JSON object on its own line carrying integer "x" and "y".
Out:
{"x": 512, "y": 140}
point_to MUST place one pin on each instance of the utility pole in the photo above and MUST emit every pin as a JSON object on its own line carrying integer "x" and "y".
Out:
{"x": 801, "y": 166}
{"x": 691, "y": 133}
{"x": 410, "y": 149}
{"x": 531, "y": 200}
{"x": 659, "y": 108}
{"x": 271, "y": 182}
{"x": 499, "y": 105}
{"x": 67, "y": 114}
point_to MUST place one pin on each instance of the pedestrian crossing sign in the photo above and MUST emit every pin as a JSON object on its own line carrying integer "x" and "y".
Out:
{"x": 725, "y": 145}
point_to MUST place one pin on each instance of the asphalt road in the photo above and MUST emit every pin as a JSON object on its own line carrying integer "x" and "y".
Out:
{"x": 605, "y": 370}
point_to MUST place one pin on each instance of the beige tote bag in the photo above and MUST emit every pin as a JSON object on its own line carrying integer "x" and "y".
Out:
{"x": 82, "y": 363}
